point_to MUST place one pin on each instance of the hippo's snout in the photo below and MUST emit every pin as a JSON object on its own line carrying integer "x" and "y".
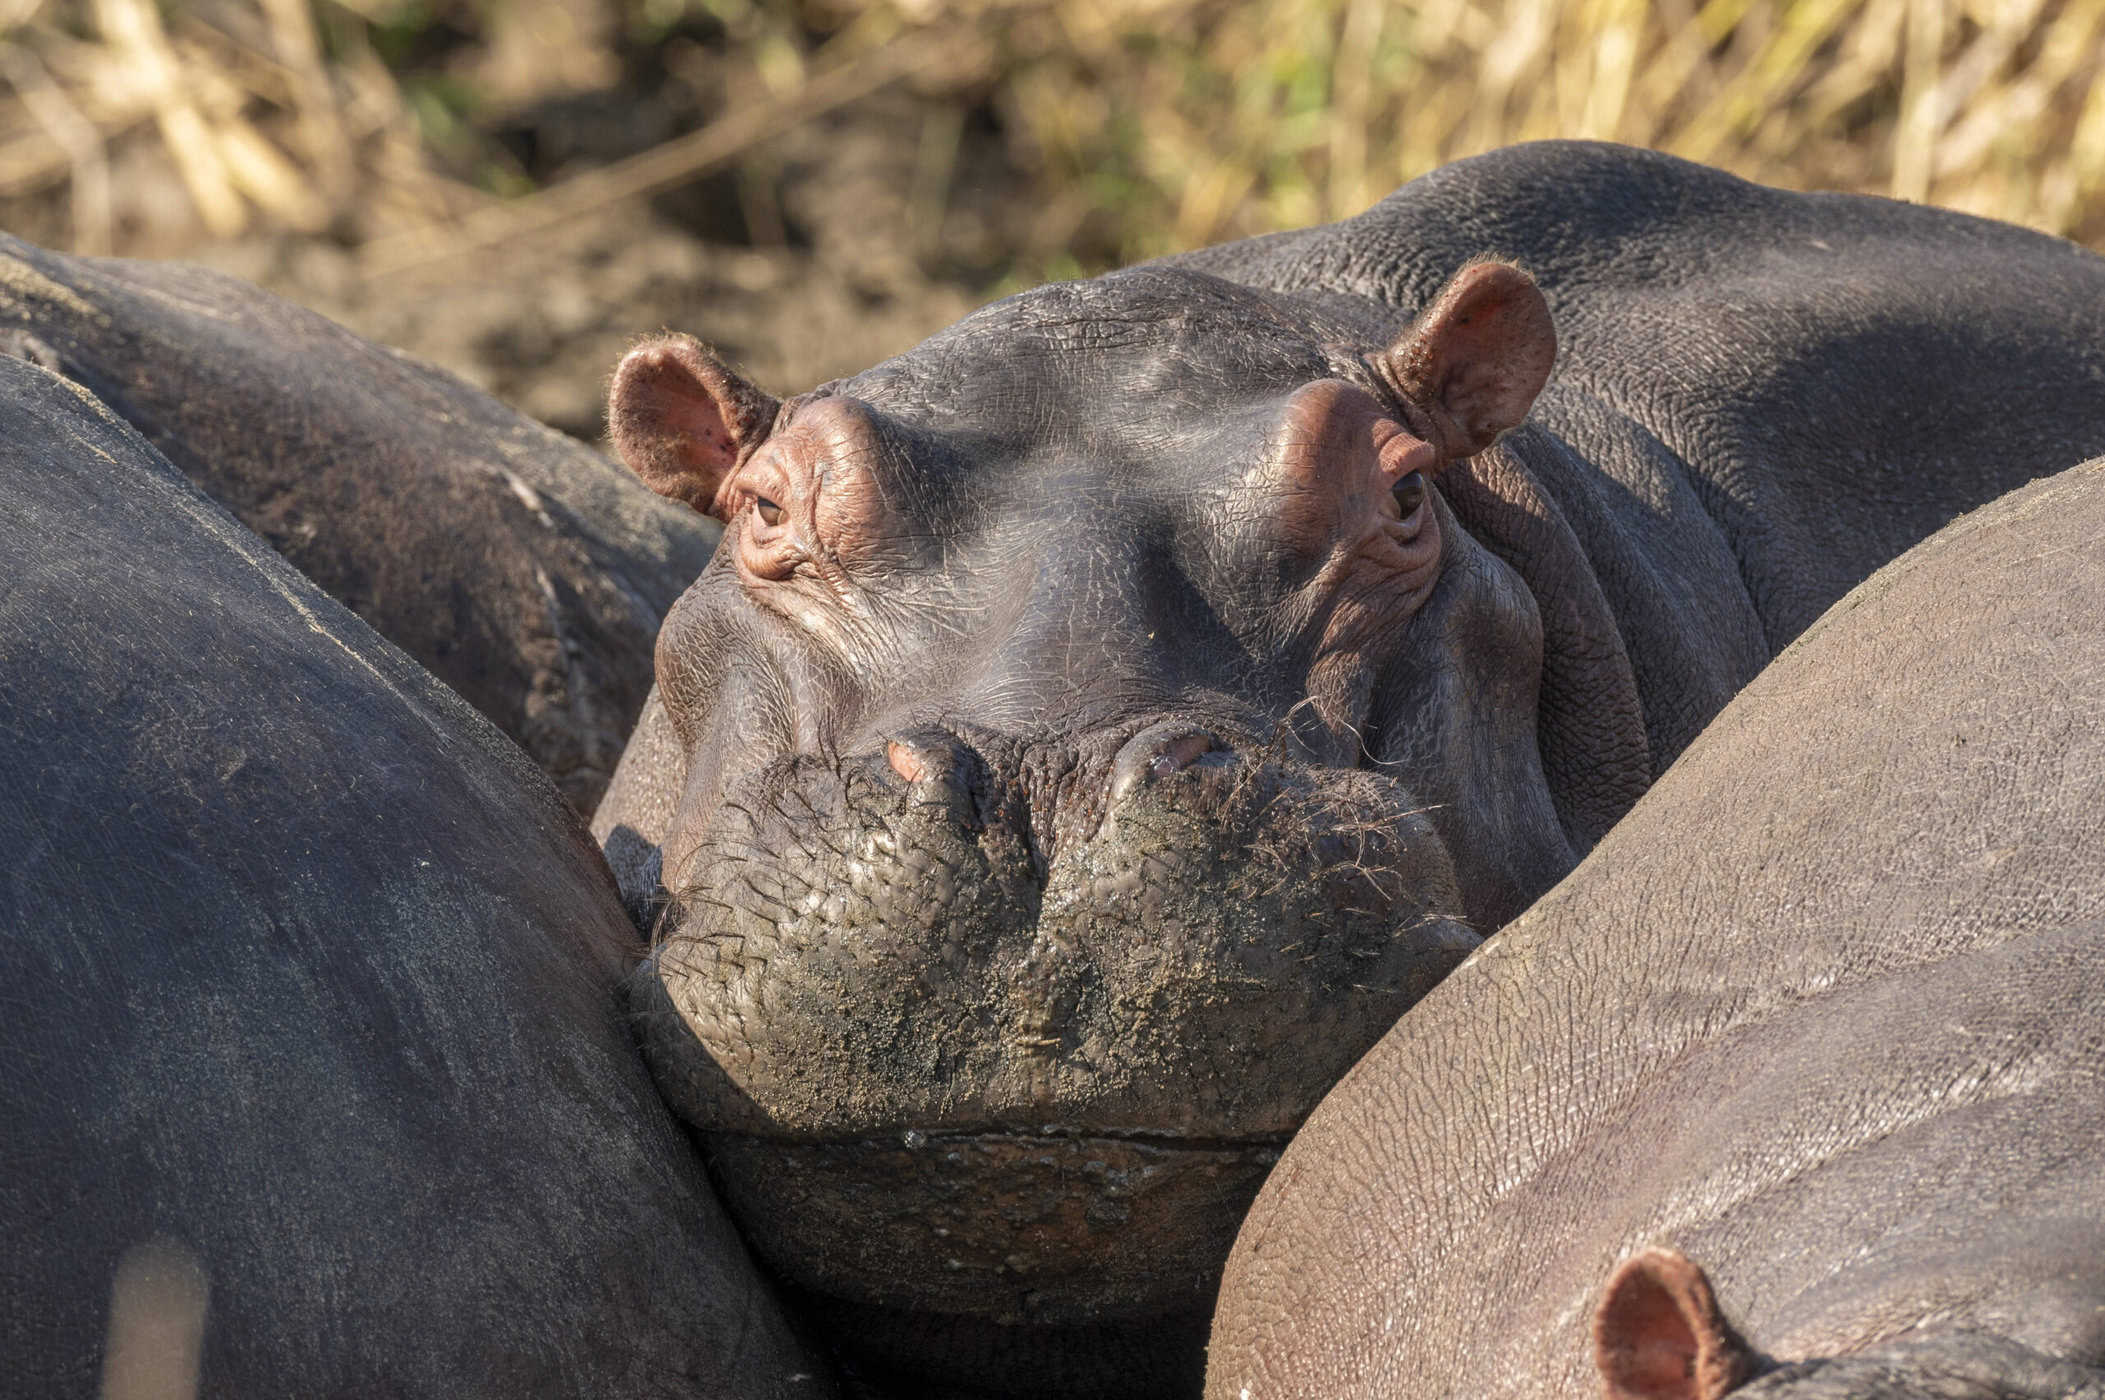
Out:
{"x": 1164, "y": 946}
{"x": 1158, "y": 751}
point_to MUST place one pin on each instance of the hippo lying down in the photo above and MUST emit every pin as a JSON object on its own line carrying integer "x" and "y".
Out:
{"x": 317, "y": 1080}
{"x": 1105, "y": 719}
{"x": 1796, "y": 1081}
{"x": 511, "y": 561}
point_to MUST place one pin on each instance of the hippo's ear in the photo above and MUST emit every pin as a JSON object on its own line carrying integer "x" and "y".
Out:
{"x": 683, "y": 421}
{"x": 1476, "y": 358}
{"x": 1658, "y": 1335}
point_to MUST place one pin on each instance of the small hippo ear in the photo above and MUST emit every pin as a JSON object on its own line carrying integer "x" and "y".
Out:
{"x": 1658, "y": 1335}
{"x": 683, "y": 421}
{"x": 1476, "y": 358}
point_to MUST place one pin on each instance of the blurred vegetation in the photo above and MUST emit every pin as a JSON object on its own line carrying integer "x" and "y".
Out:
{"x": 1043, "y": 137}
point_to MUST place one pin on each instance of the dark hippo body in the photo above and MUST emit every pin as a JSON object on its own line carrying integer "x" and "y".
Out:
{"x": 313, "y": 1038}
{"x": 1105, "y": 719}
{"x": 1825, "y": 1014}
{"x": 516, "y": 564}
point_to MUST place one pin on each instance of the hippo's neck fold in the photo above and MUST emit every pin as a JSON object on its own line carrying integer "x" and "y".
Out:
{"x": 1645, "y": 609}
{"x": 1590, "y": 722}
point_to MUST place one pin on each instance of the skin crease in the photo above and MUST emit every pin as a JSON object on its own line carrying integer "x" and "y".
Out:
{"x": 1808, "y": 1043}
{"x": 1130, "y": 527}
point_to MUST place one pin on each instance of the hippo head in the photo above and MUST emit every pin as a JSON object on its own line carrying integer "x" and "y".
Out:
{"x": 1098, "y": 727}
{"x": 1659, "y": 1334}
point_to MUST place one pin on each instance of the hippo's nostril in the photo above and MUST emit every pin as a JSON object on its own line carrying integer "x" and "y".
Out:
{"x": 1180, "y": 755}
{"x": 1156, "y": 752}
{"x": 907, "y": 761}
{"x": 932, "y": 760}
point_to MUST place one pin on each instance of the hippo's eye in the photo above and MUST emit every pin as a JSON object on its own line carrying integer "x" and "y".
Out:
{"x": 767, "y": 510}
{"x": 1410, "y": 494}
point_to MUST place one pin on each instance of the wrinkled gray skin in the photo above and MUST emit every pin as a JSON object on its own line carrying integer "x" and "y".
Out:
{"x": 317, "y": 1077}
{"x": 1824, "y": 1016}
{"x": 1052, "y": 798}
{"x": 517, "y": 565}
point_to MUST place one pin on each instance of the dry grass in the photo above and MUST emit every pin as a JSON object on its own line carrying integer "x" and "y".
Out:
{"x": 1263, "y": 117}
{"x": 259, "y": 126}
{"x": 1142, "y": 125}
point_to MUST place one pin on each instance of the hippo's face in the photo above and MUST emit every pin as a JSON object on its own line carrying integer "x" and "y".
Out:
{"x": 1098, "y": 730}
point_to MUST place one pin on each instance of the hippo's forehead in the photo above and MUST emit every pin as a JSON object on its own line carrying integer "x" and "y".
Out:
{"x": 1141, "y": 378}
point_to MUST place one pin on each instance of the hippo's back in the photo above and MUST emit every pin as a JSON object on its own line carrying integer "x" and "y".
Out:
{"x": 1823, "y": 1012}
{"x": 316, "y": 1080}
{"x": 521, "y": 568}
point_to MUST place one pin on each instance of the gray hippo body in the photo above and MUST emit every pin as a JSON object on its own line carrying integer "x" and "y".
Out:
{"x": 317, "y": 1077}
{"x": 1812, "y": 1046}
{"x": 517, "y": 565}
{"x": 1107, "y": 718}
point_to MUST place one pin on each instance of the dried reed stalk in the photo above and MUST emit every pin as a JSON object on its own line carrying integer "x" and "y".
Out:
{"x": 1146, "y": 124}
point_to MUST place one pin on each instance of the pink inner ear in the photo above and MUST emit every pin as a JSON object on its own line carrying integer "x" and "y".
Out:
{"x": 681, "y": 420}
{"x": 1476, "y": 359}
{"x": 1658, "y": 1334}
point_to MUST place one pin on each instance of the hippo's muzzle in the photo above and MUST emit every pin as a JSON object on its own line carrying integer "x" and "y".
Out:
{"x": 1014, "y": 1031}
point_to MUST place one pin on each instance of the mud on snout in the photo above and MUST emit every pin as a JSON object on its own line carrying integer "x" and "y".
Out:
{"x": 1017, "y": 1035}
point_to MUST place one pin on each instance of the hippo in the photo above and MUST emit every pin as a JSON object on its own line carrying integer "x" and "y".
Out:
{"x": 1104, "y": 720}
{"x": 1792, "y": 1088}
{"x": 319, "y": 1078}
{"x": 519, "y": 566}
